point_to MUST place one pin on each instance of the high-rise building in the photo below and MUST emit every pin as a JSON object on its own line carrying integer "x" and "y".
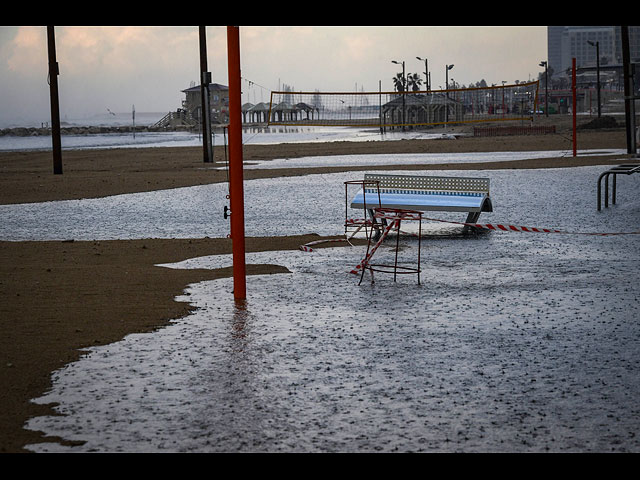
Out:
{"x": 566, "y": 43}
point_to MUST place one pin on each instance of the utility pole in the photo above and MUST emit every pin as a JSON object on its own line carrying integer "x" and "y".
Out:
{"x": 448, "y": 67}
{"x": 629, "y": 97}
{"x": 546, "y": 87}
{"x": 597, "y": 45}
{"x": 404, "y": 92}
{"x": 573, "y": 105}
{"x": 426, "y": 73}
{"x": 54, "y": 71}
{"x": 205, "y": 80}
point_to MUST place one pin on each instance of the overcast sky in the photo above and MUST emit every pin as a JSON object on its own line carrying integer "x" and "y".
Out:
{"x": 114, "y": 68}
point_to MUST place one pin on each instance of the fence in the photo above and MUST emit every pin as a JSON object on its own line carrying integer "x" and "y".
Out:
{"x": 392, "y": 109}
{"x": 513, "y": 130}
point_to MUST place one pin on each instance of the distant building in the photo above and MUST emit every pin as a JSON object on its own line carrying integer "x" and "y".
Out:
{"x": 564, "y": 43}
{"x": 255, "y": 113}
{"x": 422, "y": 109}
{"x": 567, "y": 42}
{"x": 219, "y": 103}
{"x": 190, "y": 115}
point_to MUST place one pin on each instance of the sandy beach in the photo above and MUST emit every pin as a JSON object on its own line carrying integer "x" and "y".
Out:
{"x": 61, "y": 296}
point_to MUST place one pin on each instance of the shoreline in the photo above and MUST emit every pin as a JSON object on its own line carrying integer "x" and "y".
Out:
{"x": 27, "y": 176}
{"x": 57, "y": 297}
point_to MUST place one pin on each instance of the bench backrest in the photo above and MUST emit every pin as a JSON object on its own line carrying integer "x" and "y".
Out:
{"x": 428, "y": 183}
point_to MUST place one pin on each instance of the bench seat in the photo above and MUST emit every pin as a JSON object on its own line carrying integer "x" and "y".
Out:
{"x": 421, "y": 201}
{"x": 425, "y": 193}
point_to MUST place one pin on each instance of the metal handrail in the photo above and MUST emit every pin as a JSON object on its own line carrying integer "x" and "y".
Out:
{"x": 624, "y": 169}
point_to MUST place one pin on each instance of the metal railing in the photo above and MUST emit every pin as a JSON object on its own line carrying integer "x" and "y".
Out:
{"x": 624, "y": 169}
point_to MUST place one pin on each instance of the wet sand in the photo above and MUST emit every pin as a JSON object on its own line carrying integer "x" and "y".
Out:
{"x": 28, "y": 176}
{"x": 59, "y": 297}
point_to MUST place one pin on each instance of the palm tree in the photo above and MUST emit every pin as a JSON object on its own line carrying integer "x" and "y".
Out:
{"x": 414, "y": 81}
{"x": 398, "y": 83}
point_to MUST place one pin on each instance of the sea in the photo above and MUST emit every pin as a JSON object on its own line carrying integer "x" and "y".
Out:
{"x": 251, "y": 134}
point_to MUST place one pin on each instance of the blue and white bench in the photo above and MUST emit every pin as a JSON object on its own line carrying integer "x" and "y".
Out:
{"x": 425, "y": 193}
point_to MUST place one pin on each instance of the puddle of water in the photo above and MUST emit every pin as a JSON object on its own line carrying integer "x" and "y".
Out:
{"x": 513, "y": 342}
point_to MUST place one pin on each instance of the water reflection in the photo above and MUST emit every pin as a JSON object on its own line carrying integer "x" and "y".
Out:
{"x": 276, "y": 129}
{"x": 312, "y": 362}
{"x": 239, "y": 334}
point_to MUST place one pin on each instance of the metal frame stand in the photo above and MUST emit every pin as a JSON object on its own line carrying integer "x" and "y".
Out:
{"x": 396, "y": 216}
{"x": 360, "y": 223}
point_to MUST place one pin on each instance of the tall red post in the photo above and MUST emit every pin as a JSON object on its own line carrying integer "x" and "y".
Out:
{"x": 573, "y": 105}
{"x": 236, "y": 194}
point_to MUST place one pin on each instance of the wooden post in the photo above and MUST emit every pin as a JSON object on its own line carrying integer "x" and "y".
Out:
{"x": 55, "y": 106}
{"x": 236, "y": 193}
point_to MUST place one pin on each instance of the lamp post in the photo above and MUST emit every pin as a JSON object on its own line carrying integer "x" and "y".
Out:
{"x": 426, "y": 73}
{"x": 597, "y": 45}
{"x": 448, "y": 67}
{"x": 404, "y": 88}
{"x": 546, "y": 87}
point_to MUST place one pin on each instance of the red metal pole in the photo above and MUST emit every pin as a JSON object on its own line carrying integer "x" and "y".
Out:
{"x": 573, "y": 106}
{"x": 235, "y": 165}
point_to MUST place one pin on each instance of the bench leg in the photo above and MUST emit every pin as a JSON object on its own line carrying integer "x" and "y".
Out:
{"x": 472, "y": 217}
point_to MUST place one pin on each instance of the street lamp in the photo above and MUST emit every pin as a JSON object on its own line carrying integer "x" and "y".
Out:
{"x": 404, "y": 79}
{"x": 546, "y": 88}
{"x": 597, "y": 45}
{"x": 449, "y": 67}
{"x": 404, "y": 88}
{"x": 426, "y": 73}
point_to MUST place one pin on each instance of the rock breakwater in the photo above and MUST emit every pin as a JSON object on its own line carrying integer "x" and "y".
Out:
{"x": 89, "y": 130}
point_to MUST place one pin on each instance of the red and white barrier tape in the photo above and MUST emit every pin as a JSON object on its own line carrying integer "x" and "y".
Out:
{"x": 366, "y": 259}
{"x": 357, "y": 221}
{"x": 514, "y": 228}
{"x": 487, "y": 226}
